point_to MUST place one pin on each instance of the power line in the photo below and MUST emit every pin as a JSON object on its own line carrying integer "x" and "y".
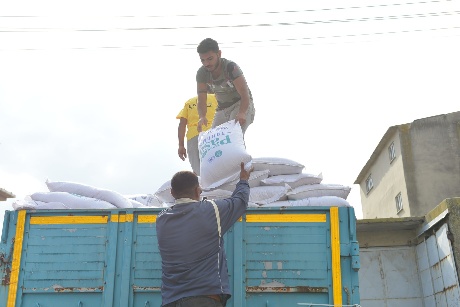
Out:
{"x": 295, "y": 23}
{"x": 271, "y": 42}
{"x": 266, "y": 12}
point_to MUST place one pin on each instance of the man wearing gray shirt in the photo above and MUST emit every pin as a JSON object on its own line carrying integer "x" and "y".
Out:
{"x": 227, "y": 81}
{"x": 190, "y": 241}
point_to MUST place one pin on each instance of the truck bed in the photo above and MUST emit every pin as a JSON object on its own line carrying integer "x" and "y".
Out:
{"x": 276, "y": 257}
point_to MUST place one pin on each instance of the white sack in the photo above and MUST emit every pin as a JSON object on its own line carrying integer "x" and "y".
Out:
{"x": 149, "y": 200}
{"x": 164, "y": 193}
{"x": 72, "y": 201}
{"x": 317, "y": 190}
{"x": 112, "y": 197}
{"x": 137, "y": 204}
{"x": 50, "y": 206}
{"x": 267, "y": 194}
{"x": 37, "y": 205}
{"x": 222, "y": 150}
{"x": 21, "y": 204}
{"x": 254, "y": 180}
{"x": 216, "y": 194}
{"x": 277, "y": 166}
{"x": 293, "y": 180}
{"x": 321, "y": 201}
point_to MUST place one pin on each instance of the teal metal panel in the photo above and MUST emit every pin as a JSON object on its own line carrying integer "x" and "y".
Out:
{"x": 349, "y": 251}
{"x": 125, "y": 270}
{"x": 59, "y": 257}
{"x": 117, "y": 264}
{"x": 280, "y": 299}
{"x": 147, "y": 259}
{"x": 61, "y": 299}
{"x": 146, "y": 265}
{"x": 6, "y": 253}
{"x": 235, "y": 240}
{"x": 111, "y": 260}
{"x": 287, "y": 262}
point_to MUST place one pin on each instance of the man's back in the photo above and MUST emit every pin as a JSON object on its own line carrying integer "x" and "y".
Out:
{"x": 193, "y": 254}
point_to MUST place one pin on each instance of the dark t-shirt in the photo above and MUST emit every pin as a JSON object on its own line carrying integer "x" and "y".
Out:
{"x": 226, "y": 93}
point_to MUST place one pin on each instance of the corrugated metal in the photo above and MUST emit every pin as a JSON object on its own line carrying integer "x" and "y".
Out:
{"x": 437, "y": 270}
{"x": 389, "y": 277}
{"x": 424, "y": 275}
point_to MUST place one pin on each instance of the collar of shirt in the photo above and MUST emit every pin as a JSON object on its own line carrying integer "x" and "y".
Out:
{"x": 184, "y": 200}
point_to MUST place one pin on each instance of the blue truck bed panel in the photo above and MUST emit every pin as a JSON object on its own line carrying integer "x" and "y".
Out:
{"x": 276, "y": 257}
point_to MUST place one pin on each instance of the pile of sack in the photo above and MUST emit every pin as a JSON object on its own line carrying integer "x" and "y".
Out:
{"x": 275, "y": 182}
{"x": 72, "y": 195}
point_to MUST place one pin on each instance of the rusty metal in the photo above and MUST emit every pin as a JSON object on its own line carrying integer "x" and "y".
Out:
{"x": 60, "y": 289}
{"x": 2, "y": 259}
{"x": 137, "y": 288}
{"x": 298, "y": 289}
{"x": 348, "y": 294}
{"x": 6, "y": 277}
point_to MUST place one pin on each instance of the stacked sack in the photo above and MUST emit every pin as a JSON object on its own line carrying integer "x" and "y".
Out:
{"x": 72, "y": 195}
{"x": 300, "y": 188}
{"x": 274, "y": 181}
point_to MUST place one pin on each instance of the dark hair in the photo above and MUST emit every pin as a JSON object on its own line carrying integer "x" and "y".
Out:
{"x": 208, "y": 44}
{"x": 183, "y": 183}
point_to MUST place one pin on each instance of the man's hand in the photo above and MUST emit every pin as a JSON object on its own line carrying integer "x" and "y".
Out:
{"x": 241, "y": 118}
{"x": 244, "y": 174}
{"x": 202, "y": 121}
{"x": 182, "y": 152}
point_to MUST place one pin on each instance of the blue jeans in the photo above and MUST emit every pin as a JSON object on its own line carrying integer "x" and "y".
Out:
{"x": 195, "y": 301}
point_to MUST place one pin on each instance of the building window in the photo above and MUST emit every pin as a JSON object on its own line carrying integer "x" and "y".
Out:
{"x": 399, "y": 205}
{"x": 369, "y": 184}
{"x": 391, "y": 152}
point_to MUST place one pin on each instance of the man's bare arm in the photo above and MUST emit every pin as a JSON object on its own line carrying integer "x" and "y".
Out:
{"x": 202, "y": 90}
{"x": 181, "y": 151}
{"x": 242, "y": 89}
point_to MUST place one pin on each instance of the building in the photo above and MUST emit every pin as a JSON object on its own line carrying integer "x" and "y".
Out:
{"x": 409, "y": 235}
{"x": 414, "y": 167}
{"x": 5, "y": 194}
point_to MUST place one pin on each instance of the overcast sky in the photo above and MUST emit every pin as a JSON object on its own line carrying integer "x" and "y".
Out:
{"x": 89, "y": 92}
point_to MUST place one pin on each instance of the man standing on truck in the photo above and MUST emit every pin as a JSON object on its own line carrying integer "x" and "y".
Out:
{"x": 227, "y": 81}
{"x": 190, "y": 241}
{"x": 188, "y": 121}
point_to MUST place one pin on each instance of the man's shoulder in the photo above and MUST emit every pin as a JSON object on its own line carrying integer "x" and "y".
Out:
{"x": 227, "y": 62}
{"x": 192, "y": 100}
{"x": 162, "y": 212}
{"x": 231, "y": 69}
{"x": 201, "y": 70}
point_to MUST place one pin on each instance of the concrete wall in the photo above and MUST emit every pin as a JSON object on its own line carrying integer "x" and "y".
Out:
{"x": 431, "y": 155}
